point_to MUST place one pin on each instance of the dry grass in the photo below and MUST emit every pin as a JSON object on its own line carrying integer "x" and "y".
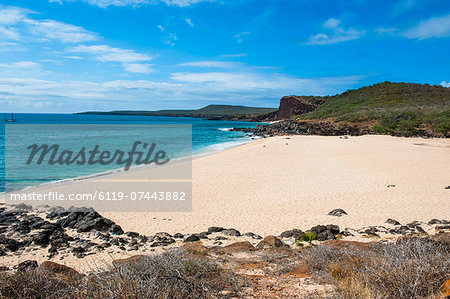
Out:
{"x": 412, "y": 268}
{"x": 169, "y": 275}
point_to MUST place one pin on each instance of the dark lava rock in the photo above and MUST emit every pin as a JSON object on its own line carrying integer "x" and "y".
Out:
{"x": 420, "y": 230}
{"x": 27, "y": 265}
{"x": 162, "y": 235}
{"x": 392, "y": 221}
{"x": 445, "y": 226}
{"x": 294, "y": 233}
{"x": 337, "y": 213}
{"x": 192, "y": 238}
{"x": 219, "y": 238}
{"x": 178, "y": 236}
{"x": 253, "y": 236}
{"x": 57, "y": 212}
{"x": 346, "y": 233}
{"x": 413, "y": 224}
{"x": 203, "y": 235}
{"x": 23, "y": 228}
{"x": 78, "y": 251}
{"x": 116, "y": 230}
{"x": 86, "y": 220}
{"x": 325, "y": 232}
{"x": 434, "y": 221}
{"x": 22, "y": 208}
{"x": 371, "y": 231}
{"x": 403, "y": 230}
{"x": 10, "y": 244}
{"x": 162, "y": 239}
{"x": 8, "y": 218}
{"x": 215, "y": 229}
{"x": 132, "y": 234}
{"x": 231, "y": 232}
{"x": 41, "y": 239}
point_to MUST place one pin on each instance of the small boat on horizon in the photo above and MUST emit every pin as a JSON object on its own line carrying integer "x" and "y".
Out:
{"x": 10, "y": 120}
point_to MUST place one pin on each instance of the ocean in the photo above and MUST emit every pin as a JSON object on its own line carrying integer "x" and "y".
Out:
{"x": 207, "y": 136}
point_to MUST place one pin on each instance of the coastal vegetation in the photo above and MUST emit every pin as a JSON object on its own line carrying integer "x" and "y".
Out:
{"x": 173, "y": 274}
{"x": 388, "y": 107}
{"x": 409, "y": 268}
{"x": 210, "y": 111}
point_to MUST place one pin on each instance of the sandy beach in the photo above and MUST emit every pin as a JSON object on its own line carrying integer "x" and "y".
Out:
{"x": 276, "y": 184}
{"x": 280, "y": 183}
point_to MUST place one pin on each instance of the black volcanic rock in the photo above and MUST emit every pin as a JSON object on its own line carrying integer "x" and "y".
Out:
{"x": 325, "y": 232}
{"x": 337, "y": 213}
{"x": 392, "y": 221}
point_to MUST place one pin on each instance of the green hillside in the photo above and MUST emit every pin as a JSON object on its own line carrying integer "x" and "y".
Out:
{"x": 401, "y": 107}
{"x": 208, "y": 111}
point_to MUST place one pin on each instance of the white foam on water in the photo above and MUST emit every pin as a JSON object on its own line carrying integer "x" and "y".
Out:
{"x": 225, "y": 129}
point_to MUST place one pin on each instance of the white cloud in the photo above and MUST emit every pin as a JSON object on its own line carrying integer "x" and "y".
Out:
{"x": 9, "y": 33}
{"x": 388, "y": 31}
{"x": 128, "y": 58}
{"x": 339, "y": 34}
{"x": 73, "y": 57}
{"x": 134, "y": 3}
{"x": 189, "y": 22}
{"x": 170, "y": 39}
{"x": 19, "y": 65}
{"x": 141, "y": 68}
{"x": 231, "y": 88}
{"x": 161, "y": 28}
{"x": 434, "y": 27}
{"x": 107, "y": 53}
{"x": 234, "y": 55}
{"x": 251, "y": 82}
{"x": 331, "y": 23}
{"x": 445, "y": 84}
{"x": 15, "y": 24}
{"x": 211, "y": 64}
{"x": 54, "y": 30}
{"x": 240, "y": 36}
{"x": 11, "y": 15}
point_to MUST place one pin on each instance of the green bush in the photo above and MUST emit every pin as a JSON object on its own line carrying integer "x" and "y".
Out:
{"x": 380, "y": 129}
{"x": 308, "y": 236}
{"x": 407, "y": 126}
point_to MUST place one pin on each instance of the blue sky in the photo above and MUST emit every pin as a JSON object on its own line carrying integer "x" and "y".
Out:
{"x": 77, "y": 55}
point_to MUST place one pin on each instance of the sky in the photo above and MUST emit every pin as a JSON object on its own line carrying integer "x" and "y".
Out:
{"x": 78, "y": 55}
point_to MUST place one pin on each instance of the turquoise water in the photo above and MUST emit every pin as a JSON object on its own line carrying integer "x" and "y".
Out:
{"x": 206, "y": 136}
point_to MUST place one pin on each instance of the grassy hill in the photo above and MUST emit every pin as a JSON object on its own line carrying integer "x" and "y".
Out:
{"x": 205, "y": 112}
{"x": 389, "y": 107}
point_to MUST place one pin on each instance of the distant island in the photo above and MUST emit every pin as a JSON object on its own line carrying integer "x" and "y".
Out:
{"x": 400, "y": 109}
{"x": 213, "y": 112}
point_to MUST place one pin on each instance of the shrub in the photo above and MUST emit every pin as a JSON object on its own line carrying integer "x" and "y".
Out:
{"x": 169, "y": 275}
{"x": 380, "y": 129}
{"x": 308, "y": 236}
{"x": 410, "y": 268}
{"x": 406, "y": 126}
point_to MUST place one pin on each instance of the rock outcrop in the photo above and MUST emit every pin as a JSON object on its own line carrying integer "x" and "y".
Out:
{"x": 295, "y": 105}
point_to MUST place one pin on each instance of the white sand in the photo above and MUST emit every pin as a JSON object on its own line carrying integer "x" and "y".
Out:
{"x": 267, "y": 187}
